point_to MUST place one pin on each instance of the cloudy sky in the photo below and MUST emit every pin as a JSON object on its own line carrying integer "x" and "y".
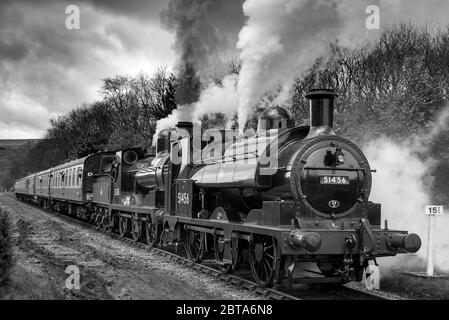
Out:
{"x": 46, "y": 69}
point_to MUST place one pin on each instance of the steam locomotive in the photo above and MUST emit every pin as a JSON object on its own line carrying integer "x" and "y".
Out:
{"x": 221, "y": 198}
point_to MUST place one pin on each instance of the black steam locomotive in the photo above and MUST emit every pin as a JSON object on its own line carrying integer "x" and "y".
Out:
{"x": 283, "y": 197}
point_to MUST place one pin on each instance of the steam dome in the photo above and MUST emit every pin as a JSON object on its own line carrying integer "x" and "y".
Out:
{"x": 275, "y": 118}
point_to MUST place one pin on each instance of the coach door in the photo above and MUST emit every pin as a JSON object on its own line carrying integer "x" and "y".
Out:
{"x": 63, "y": 182}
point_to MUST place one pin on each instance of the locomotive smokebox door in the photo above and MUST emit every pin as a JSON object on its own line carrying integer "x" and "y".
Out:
{"x": 185, "y": 198}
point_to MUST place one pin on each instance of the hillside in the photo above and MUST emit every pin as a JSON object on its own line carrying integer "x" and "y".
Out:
{"x": 8, "y": 149}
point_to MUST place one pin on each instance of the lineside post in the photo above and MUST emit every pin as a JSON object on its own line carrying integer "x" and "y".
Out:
{"x": 431, "y": 211}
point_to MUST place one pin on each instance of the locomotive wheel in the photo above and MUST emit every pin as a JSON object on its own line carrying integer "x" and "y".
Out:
{"x": 151, "y": 233}
{"x": 263, "y": 259}
{"x": 123, "y": 226}
{"x": 195, "y": 245}
{"x": 136, "y": 229}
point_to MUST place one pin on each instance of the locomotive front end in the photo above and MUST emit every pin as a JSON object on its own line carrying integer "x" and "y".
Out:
{"x": 330, "y": 177}
{"x": 330, "y": 182}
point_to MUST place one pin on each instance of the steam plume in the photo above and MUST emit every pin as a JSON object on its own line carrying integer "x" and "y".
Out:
{"x": 282, "y": 38}
{"x": 403, "y": 185}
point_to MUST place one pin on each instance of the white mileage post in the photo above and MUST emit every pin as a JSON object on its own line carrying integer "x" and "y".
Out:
{"x": 431, "y": 211}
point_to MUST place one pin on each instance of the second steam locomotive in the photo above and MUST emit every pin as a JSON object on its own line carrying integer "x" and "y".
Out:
{"x": 286, "y": 197}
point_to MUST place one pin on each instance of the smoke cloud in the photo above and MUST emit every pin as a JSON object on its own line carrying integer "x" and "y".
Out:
{"x": 283, "y": 38}
{"x": 403, "y": 185}
{"x": 215, "y": 98}
{"x": 206, "y": 32}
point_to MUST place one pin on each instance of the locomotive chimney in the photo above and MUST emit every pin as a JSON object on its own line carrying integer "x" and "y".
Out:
{"x": 321, "y": 112}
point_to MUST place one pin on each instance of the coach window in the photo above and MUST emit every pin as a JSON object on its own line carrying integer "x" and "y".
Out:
{"x": 78, "y": 175}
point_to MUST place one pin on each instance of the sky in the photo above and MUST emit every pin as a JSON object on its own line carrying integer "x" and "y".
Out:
{"x": 47, "y": 70}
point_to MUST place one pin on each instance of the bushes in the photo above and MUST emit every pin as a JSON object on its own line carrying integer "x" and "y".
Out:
{"x": 393, "y": 86}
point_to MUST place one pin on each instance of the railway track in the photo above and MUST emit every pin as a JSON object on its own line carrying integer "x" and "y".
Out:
{"x": 322, "y": 292}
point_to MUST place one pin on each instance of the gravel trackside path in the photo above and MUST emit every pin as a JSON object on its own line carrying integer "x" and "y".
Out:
{"x": 43, "y": 245}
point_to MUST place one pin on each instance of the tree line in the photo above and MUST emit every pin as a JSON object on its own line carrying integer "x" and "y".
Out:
{"x": 392, "y": 86}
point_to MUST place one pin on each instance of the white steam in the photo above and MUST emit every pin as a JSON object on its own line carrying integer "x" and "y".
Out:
{"x": 403, "y": 183}
{"x": 280, "y": 38}
{"x": 215, "y": 98}
{"x": 283, "y": 38}
{"x": 218, "y": 98}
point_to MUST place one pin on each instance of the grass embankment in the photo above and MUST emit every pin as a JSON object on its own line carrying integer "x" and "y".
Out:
{"x": 5, "y": 250}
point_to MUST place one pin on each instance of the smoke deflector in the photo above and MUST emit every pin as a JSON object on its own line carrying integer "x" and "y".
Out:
{"x": 321, "y": 112}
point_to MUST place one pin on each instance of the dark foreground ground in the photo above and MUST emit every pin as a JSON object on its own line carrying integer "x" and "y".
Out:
{"x": 413, "y": 287}
{"x": 37, "y": 247}
{"x": 41, "y": 246}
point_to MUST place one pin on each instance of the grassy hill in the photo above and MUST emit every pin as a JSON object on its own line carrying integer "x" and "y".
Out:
{"x": 8, "y": 149}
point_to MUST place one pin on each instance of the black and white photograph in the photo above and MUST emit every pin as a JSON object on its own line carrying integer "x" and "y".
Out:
{"x": 219, "y": 156}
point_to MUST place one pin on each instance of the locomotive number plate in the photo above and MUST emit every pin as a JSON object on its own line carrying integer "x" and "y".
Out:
{"x": 334, "y": 180}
